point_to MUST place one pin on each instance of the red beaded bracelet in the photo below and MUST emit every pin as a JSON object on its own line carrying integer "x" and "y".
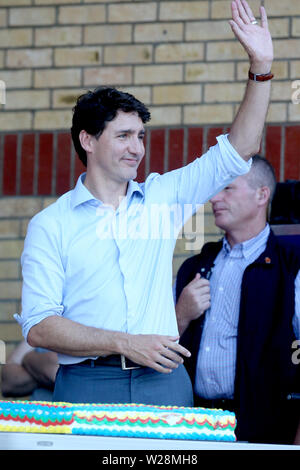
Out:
{"x": 260, "y": 77}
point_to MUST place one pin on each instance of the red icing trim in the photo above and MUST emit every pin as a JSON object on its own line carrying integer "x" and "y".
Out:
{"x": 32, "y": 420}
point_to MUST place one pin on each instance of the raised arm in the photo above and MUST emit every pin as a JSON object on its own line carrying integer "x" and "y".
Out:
{"x": 247, "y": 128}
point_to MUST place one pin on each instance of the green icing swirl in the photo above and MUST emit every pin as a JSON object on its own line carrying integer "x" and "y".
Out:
{"x": 138, "y": 423}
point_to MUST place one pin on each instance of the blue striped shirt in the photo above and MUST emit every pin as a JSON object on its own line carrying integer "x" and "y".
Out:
{"x": 217, "y": 354}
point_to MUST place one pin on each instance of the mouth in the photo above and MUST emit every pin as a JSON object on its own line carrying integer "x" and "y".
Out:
{"x": 130, "y": 161}
{"x": 218, "y": 211}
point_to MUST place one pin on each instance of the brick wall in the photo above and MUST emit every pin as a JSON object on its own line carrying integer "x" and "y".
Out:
{"x": 45, "y": 163}
{"x": 179, "y": 57}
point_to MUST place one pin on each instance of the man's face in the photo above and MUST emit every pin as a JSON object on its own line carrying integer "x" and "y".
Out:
{"x": 235, "y": 206}
{"x": 120, "y": 148}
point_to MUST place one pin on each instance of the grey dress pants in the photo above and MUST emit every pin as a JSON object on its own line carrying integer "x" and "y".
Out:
{"x": 88, "y": 383}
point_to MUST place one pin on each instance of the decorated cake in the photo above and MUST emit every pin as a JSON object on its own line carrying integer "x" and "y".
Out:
{"x": 125, "y": 420}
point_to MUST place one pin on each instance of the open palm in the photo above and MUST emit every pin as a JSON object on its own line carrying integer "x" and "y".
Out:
{"x": 256, "y": 39}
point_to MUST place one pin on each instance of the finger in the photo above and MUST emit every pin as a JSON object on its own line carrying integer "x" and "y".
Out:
{"x": 235, "y": 28}
{"x": 196, "y": 279}
{"x": 159, "y": 368}
{"x": 201, "y": 283}
{"x": 200, "y": 295}
{"x": 178, "y": 348}
{"x": 248, "y": 10}
{"x": 264, "y": 18}
{"x": 169, "y": 358}
{"x": 242, "y": 12}
{"x": 205, "y": 290}
{"x": 168, "y": 363}
{"x": 172, "y": 338}
{"x": 236, "y": 20}
{"x": 206, "y": 302}
{"x": 206, "y": 297}
{"x": 199, "y": 291}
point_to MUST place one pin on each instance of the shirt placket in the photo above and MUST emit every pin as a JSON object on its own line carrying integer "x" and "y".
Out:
{"x": 122, "y": 230}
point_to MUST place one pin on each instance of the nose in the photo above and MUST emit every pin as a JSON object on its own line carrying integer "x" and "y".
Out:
{"x": 217, "y": 197}
{"x": 136, "y": 146}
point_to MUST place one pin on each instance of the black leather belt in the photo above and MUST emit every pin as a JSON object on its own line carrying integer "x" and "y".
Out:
{"x": 118, "y": 360}
{"x": 225, "y": 404}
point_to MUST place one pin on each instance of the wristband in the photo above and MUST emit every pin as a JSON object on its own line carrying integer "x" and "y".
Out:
{"x": 260, "y": 77}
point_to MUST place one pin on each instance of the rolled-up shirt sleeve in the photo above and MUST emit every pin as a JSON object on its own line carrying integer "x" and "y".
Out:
{"x": 219, "y": 166}
{"x": 201, "y": 179}
{"x": 43, "y": 274}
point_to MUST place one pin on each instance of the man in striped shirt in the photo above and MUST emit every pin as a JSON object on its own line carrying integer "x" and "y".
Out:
{"x": 208, "y": 311}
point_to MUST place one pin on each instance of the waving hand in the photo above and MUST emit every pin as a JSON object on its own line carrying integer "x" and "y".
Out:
{"x": 254, "y": 37}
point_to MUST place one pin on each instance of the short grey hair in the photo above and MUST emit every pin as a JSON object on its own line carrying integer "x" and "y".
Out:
{"x": 262, "y": 174}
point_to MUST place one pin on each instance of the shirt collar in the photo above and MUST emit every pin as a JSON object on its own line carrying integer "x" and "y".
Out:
{"x": 80, "y": 194}
{"x": 133, "y": 187}
{"x": 248, "y": 247}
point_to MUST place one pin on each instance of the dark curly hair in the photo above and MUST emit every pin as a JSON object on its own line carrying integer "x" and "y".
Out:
{"x": 95, "y": 108}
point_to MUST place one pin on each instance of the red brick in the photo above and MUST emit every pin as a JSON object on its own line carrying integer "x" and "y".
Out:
{"x": 212, "y": 134}
{"x": 157, "y": 150}
{"x": 175, "y": 159}
{"x": 195, "y": 143}
{"x": 45, "y": 164}
{"x": 27, "y": 164}
{"x": 273, "y": 147}
{"x": 63, "y": 163}
{"x": 10, "y": 165}
{"x": 141, "y": 173}
{"x": 292, "y": 153}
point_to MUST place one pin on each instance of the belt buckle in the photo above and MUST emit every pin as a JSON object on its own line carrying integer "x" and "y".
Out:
{"x": 124, "y": 365}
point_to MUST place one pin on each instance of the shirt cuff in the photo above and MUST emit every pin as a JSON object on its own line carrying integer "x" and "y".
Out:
{"x": 237, "y": 162}
{"x": 27, "y": 322}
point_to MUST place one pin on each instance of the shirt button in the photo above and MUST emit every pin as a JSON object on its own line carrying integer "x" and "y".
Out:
{"x": 207, "y": 349}
{"x": 221, "y": 289}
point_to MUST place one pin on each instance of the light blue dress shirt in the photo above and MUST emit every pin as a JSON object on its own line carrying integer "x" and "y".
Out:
{"x": 216, "y": 362}
{"x": 112, "y": 269}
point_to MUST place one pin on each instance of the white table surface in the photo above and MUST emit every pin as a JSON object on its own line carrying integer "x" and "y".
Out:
{"x": 39, "y": 441}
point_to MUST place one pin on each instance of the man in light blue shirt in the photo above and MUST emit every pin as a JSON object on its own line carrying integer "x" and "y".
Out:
{"x": 97, "y": 264}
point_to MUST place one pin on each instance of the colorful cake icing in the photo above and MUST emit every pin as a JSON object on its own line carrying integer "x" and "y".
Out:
{"x": 126, "y": 420}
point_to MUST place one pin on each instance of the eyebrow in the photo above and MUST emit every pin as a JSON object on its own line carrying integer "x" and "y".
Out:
{"x": 129, "y": 131}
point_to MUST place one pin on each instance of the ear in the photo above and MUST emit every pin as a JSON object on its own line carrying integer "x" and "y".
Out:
{"x": 86, "y": 141}
{"x": 263, "y": 195}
